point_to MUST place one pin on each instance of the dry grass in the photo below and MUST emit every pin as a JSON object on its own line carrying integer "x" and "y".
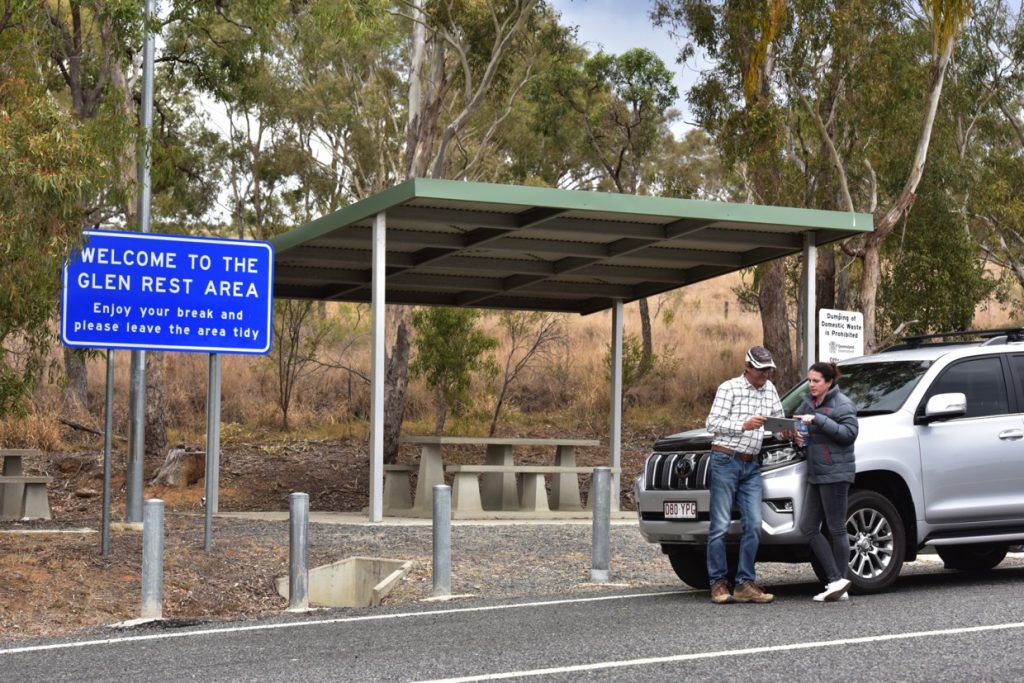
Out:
{"x": 699, "y": 335}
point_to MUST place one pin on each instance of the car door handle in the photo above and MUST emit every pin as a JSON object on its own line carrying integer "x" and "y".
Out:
{"x": 1012, "y": 434}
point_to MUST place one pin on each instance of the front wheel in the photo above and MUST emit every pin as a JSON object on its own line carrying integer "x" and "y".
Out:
{"x": 975, "y": 557}
{"x": 877, "y": 541}
{"x": 690, "y": 563}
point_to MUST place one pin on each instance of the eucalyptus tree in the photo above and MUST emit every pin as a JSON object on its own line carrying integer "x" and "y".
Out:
{"x": 621, "y": 104}
{"x": 78, "y": 57}
{"x": 530, "y": 337}
{"x": 330, "y": 101}
{"x": 845, "y": 93}
{"x": 987, "y": 119}
{"x": 737, "y": 104}
{"x": 450, "y": 349}
{"x": 49, "y": 162}
{"x": 462, "y": 53}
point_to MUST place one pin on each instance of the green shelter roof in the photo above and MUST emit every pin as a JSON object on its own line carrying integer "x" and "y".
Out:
{"x": 454, "y": 243}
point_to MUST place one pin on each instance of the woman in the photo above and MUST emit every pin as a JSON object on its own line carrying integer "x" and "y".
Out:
{"x": 831, "y": 420}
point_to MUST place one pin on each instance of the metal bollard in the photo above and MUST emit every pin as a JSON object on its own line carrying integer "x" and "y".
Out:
{"x": 442, "y": 567}
{"x": 600, "y": 491}
{"x": 298, "y": 548}
{"x": 153, "y": 559}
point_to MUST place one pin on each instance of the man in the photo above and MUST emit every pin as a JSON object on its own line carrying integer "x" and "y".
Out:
{"x": 736, "y": 422}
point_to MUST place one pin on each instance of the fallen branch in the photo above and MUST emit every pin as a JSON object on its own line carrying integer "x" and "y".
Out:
{"x": 81, "y": 427}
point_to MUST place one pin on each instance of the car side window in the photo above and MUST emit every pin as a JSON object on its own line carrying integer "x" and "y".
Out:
{"x": 1017, "y": 365}
{"x": 980, "y": 380}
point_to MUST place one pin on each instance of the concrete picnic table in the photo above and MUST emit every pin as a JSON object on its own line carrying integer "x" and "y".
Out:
{"x": 21, "y": 497}
{"x": 498, "y": 490}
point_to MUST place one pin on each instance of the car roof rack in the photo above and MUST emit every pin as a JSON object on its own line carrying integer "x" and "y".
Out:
{"x": 980, "y": 337}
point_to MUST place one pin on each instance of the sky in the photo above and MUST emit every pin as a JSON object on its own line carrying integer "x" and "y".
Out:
{"x": 619, "y": 25}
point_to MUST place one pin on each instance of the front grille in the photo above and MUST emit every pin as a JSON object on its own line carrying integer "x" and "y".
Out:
{"x": 677, "y": 471}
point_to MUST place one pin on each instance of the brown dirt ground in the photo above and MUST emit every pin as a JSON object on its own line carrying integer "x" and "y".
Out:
{"x": 57, "y": 583}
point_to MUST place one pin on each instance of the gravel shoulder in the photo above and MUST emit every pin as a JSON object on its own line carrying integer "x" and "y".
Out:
{"x": 56, "y": 583}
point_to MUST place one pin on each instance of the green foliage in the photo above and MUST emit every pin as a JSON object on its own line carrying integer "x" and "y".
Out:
{"x": 302, "y": 332}
{"x": 47, "y": 167}
{"x": 606, "y": 111}
{"x": 935, "y": 275}
{"x": 632, "y": 361}
{"x": 450, "y": 348}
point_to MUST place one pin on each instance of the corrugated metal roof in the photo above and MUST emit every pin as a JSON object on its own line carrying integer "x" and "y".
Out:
{"x": 454, "y": 243}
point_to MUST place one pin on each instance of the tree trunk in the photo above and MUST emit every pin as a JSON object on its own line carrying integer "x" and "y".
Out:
{"x": 440, "y": 414}
{"x": 156, "y": 426}
{"x": 78, "y": 387}
{"x": 774, "y": 324}
{"x": 825, "y": 279}
{"x": 181, "y": 468}
{"x": 872, "y": 266}
{"x": 843, "y": 289}
{"x": 647, "y": 352}
{"x": 871, "y": 275}
{"x": 396, "y": 381}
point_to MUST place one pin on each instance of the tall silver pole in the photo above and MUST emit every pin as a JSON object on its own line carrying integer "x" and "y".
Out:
{"x": 136, "y": 438}
{"x": 807, "y": 281}
{"x": 377, "y": 367}
{"x": 442, "y": 536}
{"x": 137, "y": 402}
{"x": 153, "y": 560}
{"x": 600, "y": 490}
{"x": 108, "y": 442}
{"x": 298, "y": 551}
{"x": 212, "y": 447}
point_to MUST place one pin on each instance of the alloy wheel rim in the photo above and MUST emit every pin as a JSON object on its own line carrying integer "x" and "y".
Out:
{"x": 871, "y": 543}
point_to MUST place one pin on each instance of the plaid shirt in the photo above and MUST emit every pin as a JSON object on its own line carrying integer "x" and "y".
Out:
{"x": 735, "y": 401}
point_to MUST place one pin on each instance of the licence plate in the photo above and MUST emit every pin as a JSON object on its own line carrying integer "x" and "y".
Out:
{"x": 686, "y": 509}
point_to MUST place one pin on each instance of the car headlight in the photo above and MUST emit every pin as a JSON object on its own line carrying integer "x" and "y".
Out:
{"x": 780, "y": 456}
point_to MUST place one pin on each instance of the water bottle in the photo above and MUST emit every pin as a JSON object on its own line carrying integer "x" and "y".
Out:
{"x": 801, "y": 428}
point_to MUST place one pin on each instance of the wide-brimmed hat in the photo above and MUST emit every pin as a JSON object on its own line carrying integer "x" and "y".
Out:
{"x": 760, "y": 358}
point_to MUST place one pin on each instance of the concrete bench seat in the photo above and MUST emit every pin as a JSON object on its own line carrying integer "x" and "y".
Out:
{"x": 397, "y": 487}
{"x": 533, "y": 495}
{"x": 24, "y": 497}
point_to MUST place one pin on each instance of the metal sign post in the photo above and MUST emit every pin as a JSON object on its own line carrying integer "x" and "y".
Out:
{"x": 108, "y": 439}
{"x": 134, "y": 291}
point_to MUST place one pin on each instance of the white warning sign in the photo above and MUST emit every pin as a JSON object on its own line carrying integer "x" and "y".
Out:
{"x": 840, "y": 335}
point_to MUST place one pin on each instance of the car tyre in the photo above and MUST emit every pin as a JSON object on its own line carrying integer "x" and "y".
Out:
{"x": 690, "y": 563}
{"x": 877, "y": 541}
{"x": 974, "y": 557}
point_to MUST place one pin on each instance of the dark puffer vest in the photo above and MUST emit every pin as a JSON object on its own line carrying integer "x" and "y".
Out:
{"x": 830, "y": 447}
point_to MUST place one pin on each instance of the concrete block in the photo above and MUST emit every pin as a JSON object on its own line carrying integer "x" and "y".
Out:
{"x": 352, "y": 582}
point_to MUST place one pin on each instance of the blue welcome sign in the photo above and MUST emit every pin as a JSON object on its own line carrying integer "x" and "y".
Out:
{"x": 127, "y": 290}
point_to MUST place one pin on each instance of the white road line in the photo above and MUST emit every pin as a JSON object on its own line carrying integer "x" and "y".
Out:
{"x": 323, "y": 622}
{"x": 727, "y": 653}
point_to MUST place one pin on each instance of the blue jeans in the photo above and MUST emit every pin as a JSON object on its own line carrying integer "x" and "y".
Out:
{"x": 832, "y": 553}
{"x": 734, "y": 482}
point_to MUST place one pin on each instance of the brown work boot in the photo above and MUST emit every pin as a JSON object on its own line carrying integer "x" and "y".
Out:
{"x": 751, "y": 592}
{"x": 720, "y": 594}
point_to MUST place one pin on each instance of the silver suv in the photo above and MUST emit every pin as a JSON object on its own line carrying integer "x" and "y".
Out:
{"x": 940, "y": 462}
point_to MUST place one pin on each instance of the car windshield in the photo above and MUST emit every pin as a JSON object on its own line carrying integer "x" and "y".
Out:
{"x": 875, "y": 388}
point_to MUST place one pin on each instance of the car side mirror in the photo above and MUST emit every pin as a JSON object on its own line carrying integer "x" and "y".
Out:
{"x": 944, "y": 406}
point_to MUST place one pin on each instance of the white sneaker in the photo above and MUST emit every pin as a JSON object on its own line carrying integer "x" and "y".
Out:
{"x": 834, "y": 591}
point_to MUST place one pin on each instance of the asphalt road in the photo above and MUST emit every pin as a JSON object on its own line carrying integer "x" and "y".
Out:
{"x": 934, "y": 625}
